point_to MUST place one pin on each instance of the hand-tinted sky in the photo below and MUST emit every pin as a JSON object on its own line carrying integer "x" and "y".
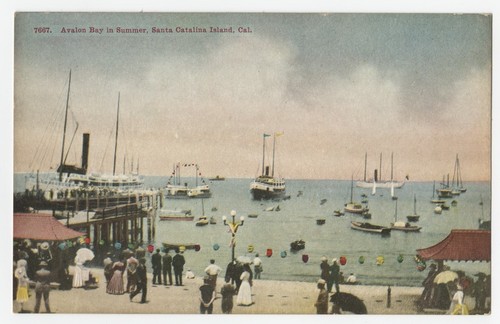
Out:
{"x": 337, "y": 85}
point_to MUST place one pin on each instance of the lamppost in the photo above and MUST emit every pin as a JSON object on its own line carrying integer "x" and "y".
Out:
{"x": 233, "y": 226}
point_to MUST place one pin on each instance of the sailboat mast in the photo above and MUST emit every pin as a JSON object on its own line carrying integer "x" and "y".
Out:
{"x": 414, "y": 204}
{"x": 380, "y": 172}
{"x": 64, "y": 131}
{"x": 352, "y": 183}
{"x": 196, "y": 175}
{"x": 364, "y": 178}
{"x": 392, "y": 160}
{"x": 396, "y": 212}
{"x": 274, "y": 146}
{"x": 116, "y": 133}
{"x": 263, "y": 154}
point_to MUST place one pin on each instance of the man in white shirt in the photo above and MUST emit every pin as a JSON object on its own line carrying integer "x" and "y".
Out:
{"x": 213, "y": 271}
{"x": 351, "y": 279}
{"x": 257, "y": 266}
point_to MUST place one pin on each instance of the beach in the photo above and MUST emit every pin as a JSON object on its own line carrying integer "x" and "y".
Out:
{"x": 269, "y": 296}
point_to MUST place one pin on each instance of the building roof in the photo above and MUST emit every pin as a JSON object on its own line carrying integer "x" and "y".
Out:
{"x": 460, "y": 245}
{"x": 41, "y": 227}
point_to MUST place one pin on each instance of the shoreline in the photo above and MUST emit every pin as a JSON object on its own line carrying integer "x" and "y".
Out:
{"x": 269, "y": 296}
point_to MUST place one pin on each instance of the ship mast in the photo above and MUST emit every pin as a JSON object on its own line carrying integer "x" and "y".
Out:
{"x": 64, "y": 131}
{"x": 116, "y": 133}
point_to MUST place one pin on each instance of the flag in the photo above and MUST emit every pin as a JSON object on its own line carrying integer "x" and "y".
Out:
{"x": 266, "y": 135}
{"x": 279, "y": 133}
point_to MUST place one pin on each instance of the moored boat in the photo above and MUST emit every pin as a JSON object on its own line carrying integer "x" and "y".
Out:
{"x": 376, "y": 182}
{"x": 202, "y": 221}
{"x": 175, "y": 215}
{"x": 176, "y": 190}
{"x": 266, "y": 186}
{"x": 217, "y": 178}
{"x": 370, "y": 228}
{"x": 320, "y": 221}
{"x": 414, "y": 217}
{"x": 298, "y": 245}
{"x": 402, "y": 226}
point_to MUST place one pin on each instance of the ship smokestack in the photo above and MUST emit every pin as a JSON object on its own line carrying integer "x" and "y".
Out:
{"x": 85, "y": 151}
{"x": 267, "y": 170}
{"x": 375, "y": 175}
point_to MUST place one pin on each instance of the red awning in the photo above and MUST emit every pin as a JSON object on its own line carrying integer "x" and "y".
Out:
{"x": 460, "y": 245}
{"x": 41, "y": 227}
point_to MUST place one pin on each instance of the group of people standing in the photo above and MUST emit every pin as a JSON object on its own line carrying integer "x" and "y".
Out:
{"x": 238, "y": 280}
{"x": 330, "y": 274}
{"x": 163, "y": 264}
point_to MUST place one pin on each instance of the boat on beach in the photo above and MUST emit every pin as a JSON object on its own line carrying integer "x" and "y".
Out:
{"x": 266, "y": 186}
{"x": 370, "y": 228}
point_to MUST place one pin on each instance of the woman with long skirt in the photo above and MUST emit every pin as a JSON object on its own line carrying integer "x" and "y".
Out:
{"x": 244, "y": 297}
{"x": 115, "y": 285}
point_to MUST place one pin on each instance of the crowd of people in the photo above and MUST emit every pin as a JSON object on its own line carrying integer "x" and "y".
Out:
{"x": 445, "y": 289}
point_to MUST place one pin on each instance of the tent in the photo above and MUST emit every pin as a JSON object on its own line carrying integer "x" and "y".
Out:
{"x": 460, "y": 245}
{"x": 41, "y": 227}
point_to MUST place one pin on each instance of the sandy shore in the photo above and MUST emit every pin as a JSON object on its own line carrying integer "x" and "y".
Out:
{"x": 270, "y": 297}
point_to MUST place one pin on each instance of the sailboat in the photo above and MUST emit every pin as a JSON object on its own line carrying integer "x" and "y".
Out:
{"x": 377, "y": 178}
{"x": 176, "y": 190}
{"x": 414, "y": 217}
{"x": 445, "y": 190}
{"x": 457, "y": 184}
{"x": 70, "y": 178}
{"x": 354, "y": 207}
{"x": 402, "y": 226}
{"x": 202, "y": 220}
{"x": 433, "y": 199}
{"x": 266, "y": 186}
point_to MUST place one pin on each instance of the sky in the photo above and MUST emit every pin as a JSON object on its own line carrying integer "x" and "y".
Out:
{"x": 338, "y": 86}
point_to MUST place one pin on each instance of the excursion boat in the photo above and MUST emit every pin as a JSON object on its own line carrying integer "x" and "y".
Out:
{"x": 376, "y": 182}
{"x": 176, "y": 190}
{"x": 266, "y": 186}
{"x": 175, "y": 215}
{"x": 370, "y": 228}
{"x": 68, "y": 179}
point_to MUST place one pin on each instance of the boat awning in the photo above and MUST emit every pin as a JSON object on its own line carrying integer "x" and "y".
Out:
{"x": 41, "y": 227}
{"x": 460, "y": 245}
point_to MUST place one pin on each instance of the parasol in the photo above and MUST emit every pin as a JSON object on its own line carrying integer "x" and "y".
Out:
{"x": 445, "y": 277}
{"x": 84, "y": 254}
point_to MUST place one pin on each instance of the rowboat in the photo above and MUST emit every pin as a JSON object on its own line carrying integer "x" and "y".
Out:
{"x": 370, "y": 228}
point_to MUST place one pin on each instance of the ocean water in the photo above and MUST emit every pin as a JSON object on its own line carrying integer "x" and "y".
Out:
{"x": 296, "y": 219}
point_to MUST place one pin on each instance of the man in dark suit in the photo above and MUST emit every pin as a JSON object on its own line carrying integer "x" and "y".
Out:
{"x": 167, "y": 268}
{"x": 42, "y": 287}
{"x": 178, "y": 262}
{"x": 142, "y": 281}
{"x": 156, "y": 261}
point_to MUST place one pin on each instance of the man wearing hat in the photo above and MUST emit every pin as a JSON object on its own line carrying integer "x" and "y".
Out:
{"x": 156, "y": 262}
{"x": 42, "y": 287}
{"x": 325, "y": 268}
{"x": 44, "y": 253}
{"x": 334, "y": 277}
{"x": 480, "y": 293}
{"x": 178, "y": 262}
{"x": 428, "y": 283}
{"x": 142, "y": 281}
{"x": 322, "y": 301}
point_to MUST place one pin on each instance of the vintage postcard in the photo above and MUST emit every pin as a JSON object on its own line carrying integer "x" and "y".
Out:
{"x": 252, "y": 163}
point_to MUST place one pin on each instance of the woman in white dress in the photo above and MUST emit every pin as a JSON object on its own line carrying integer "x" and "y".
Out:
{"x": 78, "y": 280}
{"x": 23, "y": 283}
{"x": 244, "y": 297}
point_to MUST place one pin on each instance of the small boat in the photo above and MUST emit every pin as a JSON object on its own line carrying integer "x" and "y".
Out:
{"x": 174, "y": 246}
{"x": 364, "y": 201}
{"x": 298, "y": 245}
{"x": 212, "y": 220}
{"x": 434, "y": 200}
{"x": 320, "y": 221}
{"x": 454, "y": 203}
{"x": 354, "y": 207}
{"x": 402, "y": 226}
{"x": 366, "y": 215}
{"x": 414, "y": 217}
{"x": 438, "y": 209}
{"x": 253, "y": 215}
{"x": 300, "y": 193}
{"x": 202, "y": 221}
{"x": 338, "y": 213}
{"x": 370, "y": 228}
{"x": 214, "y": 209}
{"x": 322, "y": 202}
{"x": 445, "y": 206}
{"x": 217, "y": 178}
{"x": 175, "y": 215}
